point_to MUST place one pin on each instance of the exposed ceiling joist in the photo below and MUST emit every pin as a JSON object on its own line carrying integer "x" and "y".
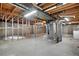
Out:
{"x": 72, "y": 11}
{"x": 37, "y": 6}
{"x": 41, "y": 4}
{"x": 11, "y": 13}
{"x": 49, "y": 6}
{"x": 1, "y": 6}
{"x": 9, "y": 10}
{"x": 18, "y": 7}
{"x": 63, "y": 7}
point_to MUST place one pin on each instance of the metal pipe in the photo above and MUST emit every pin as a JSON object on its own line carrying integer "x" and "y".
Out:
{"x": 26, "y": 8}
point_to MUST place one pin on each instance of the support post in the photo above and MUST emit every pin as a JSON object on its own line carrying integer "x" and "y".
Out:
{"x": 12, "y": 29}
{"x": 26, "y": 28}
{"x": 22, "y": 29}
{"x": 18, "y": 27}
{"x": 5, "y": 28}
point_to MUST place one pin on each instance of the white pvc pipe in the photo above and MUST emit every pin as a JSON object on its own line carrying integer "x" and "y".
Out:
{"x": 12, "y": 28}
{"x": 26, "y": 28}
{"x": 18, "y": 28}
{"x": 5, "y": 29}
{"x": 22, "y": 27}
{"x": 29, "y": 27}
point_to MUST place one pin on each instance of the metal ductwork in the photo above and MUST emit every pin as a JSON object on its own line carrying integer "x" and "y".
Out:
{"x": 30, "y": 7}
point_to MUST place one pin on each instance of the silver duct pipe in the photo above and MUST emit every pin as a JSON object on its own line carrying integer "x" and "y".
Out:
{"x": 59, "y": 30}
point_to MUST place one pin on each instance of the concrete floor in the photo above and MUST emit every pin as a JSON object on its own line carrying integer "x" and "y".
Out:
{"x": 39, "y": 47}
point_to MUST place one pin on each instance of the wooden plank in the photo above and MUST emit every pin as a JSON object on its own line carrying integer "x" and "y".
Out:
{"x": 8, "y": 6}
{"x": 47, "y": 5}
{"x": 11, "y": 13}
{"x": 63, "y": 7}
{"x": 72, "y": 11}
{"x": 41, "y": 4}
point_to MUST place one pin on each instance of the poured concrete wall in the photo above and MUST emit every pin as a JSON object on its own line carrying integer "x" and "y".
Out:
{"x": 26, "y": 30}
{"x": 68, "y": 29}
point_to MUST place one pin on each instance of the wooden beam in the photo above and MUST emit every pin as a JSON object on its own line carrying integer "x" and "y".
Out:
{"x": 1, "y": 6}
{"x": 63, "y": 7}
{"x": 72, "y": 11}
{"x": 11, "y": 13}
{"x": 41, "y": 4}
{"x": 38, "y": 4}
{"x": 48, "y": 5}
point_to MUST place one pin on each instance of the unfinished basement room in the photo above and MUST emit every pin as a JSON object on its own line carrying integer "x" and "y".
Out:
{"x": 39, "y": 29}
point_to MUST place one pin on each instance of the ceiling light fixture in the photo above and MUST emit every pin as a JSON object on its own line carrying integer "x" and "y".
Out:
{"x": 29, "y": 14}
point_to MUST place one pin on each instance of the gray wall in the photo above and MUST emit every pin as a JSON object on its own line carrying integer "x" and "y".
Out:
{"x": 68, "y": 29}
{"x": 27, "y": 29}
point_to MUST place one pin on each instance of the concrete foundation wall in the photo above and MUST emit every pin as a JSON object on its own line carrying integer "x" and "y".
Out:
{"x": 68, "y": 29}
{"x": 27, "y": 29}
